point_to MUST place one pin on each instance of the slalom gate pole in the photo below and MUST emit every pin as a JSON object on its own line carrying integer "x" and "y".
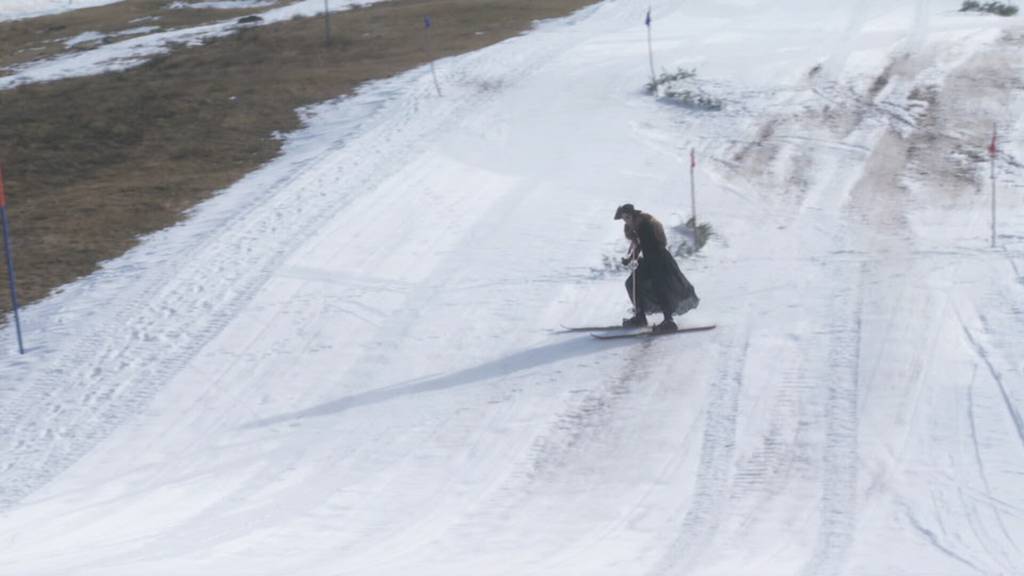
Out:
{"x": 650, "y": 50}
{"x": 993, "y": 151}
{"x": 427, "y": 24}
{"x": 10, "y": 262}
{"x": 693, "y": 191}
{"x": 327, "y": 24}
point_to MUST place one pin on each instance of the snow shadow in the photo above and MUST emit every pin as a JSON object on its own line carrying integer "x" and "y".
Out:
{"x": 512, "y": 364}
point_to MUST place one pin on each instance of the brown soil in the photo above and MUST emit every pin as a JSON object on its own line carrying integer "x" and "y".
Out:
{"x": 90, "y": 164}
{"x": 26, "y": 40}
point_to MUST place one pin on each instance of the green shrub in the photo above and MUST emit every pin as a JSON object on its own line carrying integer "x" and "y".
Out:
{"x": 667, "y": 78}
{"x": 681, "y": 87}
{"x": 692, "y": 240}
{"x": 1000, "y": 8}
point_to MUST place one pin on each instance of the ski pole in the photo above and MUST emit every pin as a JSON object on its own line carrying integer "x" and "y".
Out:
{"x": 635, "y": 265}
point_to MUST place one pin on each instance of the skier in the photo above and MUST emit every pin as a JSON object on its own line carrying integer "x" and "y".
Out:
{"x": 656, "y": 282}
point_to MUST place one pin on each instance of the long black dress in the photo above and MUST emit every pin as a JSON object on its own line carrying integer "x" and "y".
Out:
{"x": 661, "y": 284}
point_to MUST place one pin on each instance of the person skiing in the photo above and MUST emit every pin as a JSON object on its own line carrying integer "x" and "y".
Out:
{"x": 656, "y": 282}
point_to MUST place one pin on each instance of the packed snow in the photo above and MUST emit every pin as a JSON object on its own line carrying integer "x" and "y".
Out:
{"x": 349, "y": 361}
{"x": 224, "y": 5}
{"x": 94, "y": 37}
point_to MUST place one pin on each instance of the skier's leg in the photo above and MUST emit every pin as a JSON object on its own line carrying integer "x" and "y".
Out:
{"x": 662, "y": 291}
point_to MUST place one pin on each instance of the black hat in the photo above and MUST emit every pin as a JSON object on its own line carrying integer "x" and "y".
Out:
{"x": 624, "y": 209}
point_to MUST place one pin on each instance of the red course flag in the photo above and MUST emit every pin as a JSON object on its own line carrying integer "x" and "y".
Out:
{"x": 693, "y": 158}
{"x": 991, "y": 148}
{"x": 3, "y": 198}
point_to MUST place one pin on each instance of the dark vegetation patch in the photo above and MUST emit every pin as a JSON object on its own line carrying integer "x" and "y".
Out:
{"x": 684, "y": 89}
{"x": 998, "y": 8}
{"x": 90, "y": 164}
{"x": 31, "y": 39}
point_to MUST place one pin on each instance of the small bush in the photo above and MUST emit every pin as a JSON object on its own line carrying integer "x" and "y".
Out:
{"x": 695, "y": 100}
{"x": 692, "y": 240}
{"x": 1000, "y": 8}
{"x": 667, "y": 78}
{"x": 681, "y": 87}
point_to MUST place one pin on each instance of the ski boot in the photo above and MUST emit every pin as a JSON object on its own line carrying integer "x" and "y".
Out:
{"x": 666, "y": 326}
{"x": 638, "y": 321}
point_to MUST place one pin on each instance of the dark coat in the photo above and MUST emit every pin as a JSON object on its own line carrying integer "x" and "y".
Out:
{"x": 660, "y": 282}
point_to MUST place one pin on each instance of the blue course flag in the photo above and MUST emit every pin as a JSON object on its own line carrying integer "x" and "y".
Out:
{"x": 426, "y": 22}
{"x": 647, "y": 21}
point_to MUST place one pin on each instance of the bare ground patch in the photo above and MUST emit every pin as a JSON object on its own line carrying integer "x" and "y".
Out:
{"x": 92, "y": 163}
{"x": 26, "y": 40}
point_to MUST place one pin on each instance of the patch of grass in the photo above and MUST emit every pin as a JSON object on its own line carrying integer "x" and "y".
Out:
{"x": 999, "y": 8}
{"x": 695, "y": 100}
{"x": 681, "y": 87}
{"x": 22, "y": 41}
{"x": 692, "y": 239}
{"x": 90, "y": 164}
{"x": 667, "y": 78}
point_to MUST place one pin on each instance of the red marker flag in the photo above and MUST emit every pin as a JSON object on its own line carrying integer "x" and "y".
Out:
{"x": 3, "y": 199}
{"x": 693, "y": 158}
{"x": 992, "y": 150}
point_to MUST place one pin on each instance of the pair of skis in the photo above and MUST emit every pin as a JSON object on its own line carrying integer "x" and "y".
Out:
{"x": 617, "y": 331}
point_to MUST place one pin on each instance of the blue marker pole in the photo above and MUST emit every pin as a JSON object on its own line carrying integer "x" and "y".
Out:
{"x": 427, "y": 24}
{"x": 10, "y": 261}
{"x": 650, "y": 51}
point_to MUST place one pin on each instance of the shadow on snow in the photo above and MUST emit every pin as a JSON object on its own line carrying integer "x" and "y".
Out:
{"x": 514, "y": 363}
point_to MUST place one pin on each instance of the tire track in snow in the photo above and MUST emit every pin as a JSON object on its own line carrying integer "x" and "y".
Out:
{"x": 702, "y": 520}
{"x": 839, "y": 492}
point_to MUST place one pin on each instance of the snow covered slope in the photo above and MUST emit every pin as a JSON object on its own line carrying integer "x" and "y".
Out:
{"x": 344, "y": 364}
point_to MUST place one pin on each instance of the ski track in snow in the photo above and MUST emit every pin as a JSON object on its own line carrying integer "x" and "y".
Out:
{"x": 94, "y": 383}
{"x": 340, "y": 365}
{"x": 719, "y": 439}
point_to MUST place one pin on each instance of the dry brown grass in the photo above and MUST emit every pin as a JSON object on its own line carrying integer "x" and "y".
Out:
{"x": 93, "y": 163}
{"x": 26, "y": 40}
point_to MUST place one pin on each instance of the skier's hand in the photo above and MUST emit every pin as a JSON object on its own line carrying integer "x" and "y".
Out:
{"x": 633, "y": 265}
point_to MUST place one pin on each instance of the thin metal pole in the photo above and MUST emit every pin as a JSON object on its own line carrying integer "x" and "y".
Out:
{"x": 992, "y": 152}
{"x": 650, "y": 51}
{"x": 10, "y": 272}
{"x": 427, "y": 25}
{"x": 5, "y": 224}
{"x": 327, "y": 24}
{"x": 693, "y": 190}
